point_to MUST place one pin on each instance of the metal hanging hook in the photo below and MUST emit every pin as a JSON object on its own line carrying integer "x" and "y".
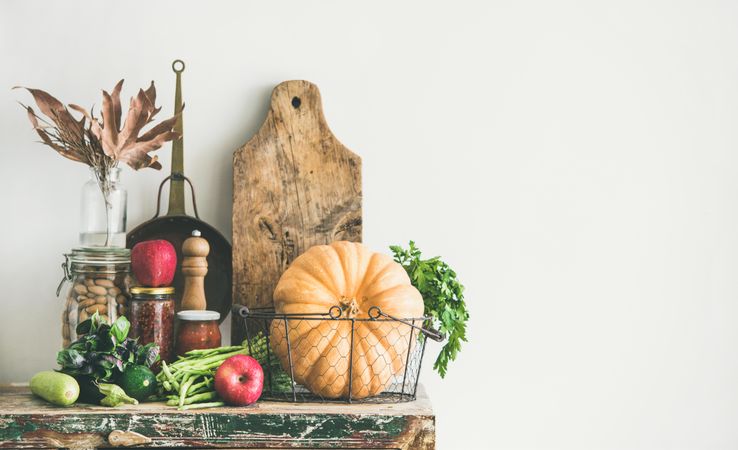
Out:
{"x": 178, "y": 66}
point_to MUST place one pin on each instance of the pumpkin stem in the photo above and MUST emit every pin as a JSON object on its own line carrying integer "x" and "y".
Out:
{"x": 349, "y": 306}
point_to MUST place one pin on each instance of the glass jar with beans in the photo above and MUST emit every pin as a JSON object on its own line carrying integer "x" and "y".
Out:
{"x": 98, "y": 282}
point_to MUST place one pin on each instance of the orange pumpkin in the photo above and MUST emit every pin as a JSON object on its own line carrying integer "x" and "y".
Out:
{"x": 353, "y": 278}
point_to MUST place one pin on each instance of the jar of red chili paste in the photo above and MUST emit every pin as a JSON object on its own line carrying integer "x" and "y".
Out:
{"x": 151, "y": 313}
{"x": 197, "y": 330}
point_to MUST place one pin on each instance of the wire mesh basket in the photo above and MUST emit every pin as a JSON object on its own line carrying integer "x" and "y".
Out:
{"x": 331, "y": 357}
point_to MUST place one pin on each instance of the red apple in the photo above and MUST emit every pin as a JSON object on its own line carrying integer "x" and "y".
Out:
{"x": 154, "y": 262}
{"x": 239, "y": 380}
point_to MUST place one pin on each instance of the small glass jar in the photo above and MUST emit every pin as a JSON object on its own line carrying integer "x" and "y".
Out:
{"x": 197, "y": 330}
{"x": 99, "y": 279}
{"x": 103, "y": 211}
{"x": 151, "y": 314}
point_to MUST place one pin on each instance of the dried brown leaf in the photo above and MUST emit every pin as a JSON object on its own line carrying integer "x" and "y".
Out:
{"x": 115, "y": 96}
{"x": 137, "y": 118}
{"x": 151, "y": 96}
{"x": 151, "y": 93}
{"x": 81, "y": 110}
{"x": 123, "y": 142}
{"x": 161, "y": 127}
{"x": 48, "y": 141}
{"x": 137, "y": 158}
{"x": 85, "y": 114}
{"x": 109, "y": 134}
{"x": 137, "y": 154}
{"x": 56, "y": 111}
{"x": 94, "y": 124}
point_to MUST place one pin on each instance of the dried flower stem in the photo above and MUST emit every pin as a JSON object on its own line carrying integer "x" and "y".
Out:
{"x": 88, "y": 147}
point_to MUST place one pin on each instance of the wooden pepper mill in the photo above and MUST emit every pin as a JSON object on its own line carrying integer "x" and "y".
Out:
{"x": 195, "y": 250}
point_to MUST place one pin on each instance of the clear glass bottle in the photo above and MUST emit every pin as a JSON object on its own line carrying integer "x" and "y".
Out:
{"x": 103, "y": 217}
{"x": 99, "y": 281}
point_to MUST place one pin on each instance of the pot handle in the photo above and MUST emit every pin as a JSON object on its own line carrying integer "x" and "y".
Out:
{"x": 176, "y": 190}
{"x": 176, "y": 176}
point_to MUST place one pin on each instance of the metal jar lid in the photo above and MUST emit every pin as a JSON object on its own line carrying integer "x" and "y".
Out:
{"x": 142, "y": 290}
{"x": 82, "y": 259}
{"x": 197, "y": 315}
{"x": 99, "y": 256}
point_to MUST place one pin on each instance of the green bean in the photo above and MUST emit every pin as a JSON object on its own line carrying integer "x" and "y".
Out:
{"x": 201, "y": 352}
{"x": 199, "y": 398}
{"x": 169, "y": 376}
{"x": 220, "y": 357}
{"x": 213, "y": 365}
{"x": 196, "y": 372}
{"x": 202, "y": 384}
{"x": 200, "y": 390}
{"x": 183, "y": 391}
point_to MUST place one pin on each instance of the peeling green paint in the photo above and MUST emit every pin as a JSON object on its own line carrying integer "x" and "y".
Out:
{"x": 213, "y": 429}
{"x": 13, "y": 429}
{"x": 28, "y": 422}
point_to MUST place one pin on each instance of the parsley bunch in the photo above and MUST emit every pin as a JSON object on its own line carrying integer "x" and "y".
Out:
{"x": 443, "y": 296}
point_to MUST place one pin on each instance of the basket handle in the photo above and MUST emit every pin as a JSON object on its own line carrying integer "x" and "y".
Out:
{"x": 375, "y": 312}
{"x": 433, "y": 334}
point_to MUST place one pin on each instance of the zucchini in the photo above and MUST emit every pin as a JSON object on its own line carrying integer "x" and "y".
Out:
{"x": 55, "y": 387}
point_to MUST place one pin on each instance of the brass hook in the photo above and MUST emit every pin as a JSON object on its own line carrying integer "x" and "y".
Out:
{"x": 178, "y": 63}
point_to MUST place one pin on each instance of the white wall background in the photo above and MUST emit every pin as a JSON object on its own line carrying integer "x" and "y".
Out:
{"x": 575, "y": 162}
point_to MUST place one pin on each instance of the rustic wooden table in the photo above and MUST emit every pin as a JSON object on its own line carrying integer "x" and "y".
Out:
{"x": 28, "y": 422}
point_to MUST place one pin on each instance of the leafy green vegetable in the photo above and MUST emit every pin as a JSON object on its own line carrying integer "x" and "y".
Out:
{"x": 120, "y": 328}
{"x": 443, "y": 296}
{"x": 114, "y": 395}
{"x": 103, "y": 351}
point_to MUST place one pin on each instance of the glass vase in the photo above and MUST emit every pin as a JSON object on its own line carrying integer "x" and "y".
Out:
{"x": 103, "y": 210}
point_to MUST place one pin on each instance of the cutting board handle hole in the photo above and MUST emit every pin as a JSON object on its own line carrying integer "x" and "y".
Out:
{"x": 296, "y": 102}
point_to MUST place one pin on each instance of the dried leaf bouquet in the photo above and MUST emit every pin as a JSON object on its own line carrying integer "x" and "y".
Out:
{"x": 103, "y": 143}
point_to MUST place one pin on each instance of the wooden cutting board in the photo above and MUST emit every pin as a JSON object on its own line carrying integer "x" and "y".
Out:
{"x": 294, "y": 186}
